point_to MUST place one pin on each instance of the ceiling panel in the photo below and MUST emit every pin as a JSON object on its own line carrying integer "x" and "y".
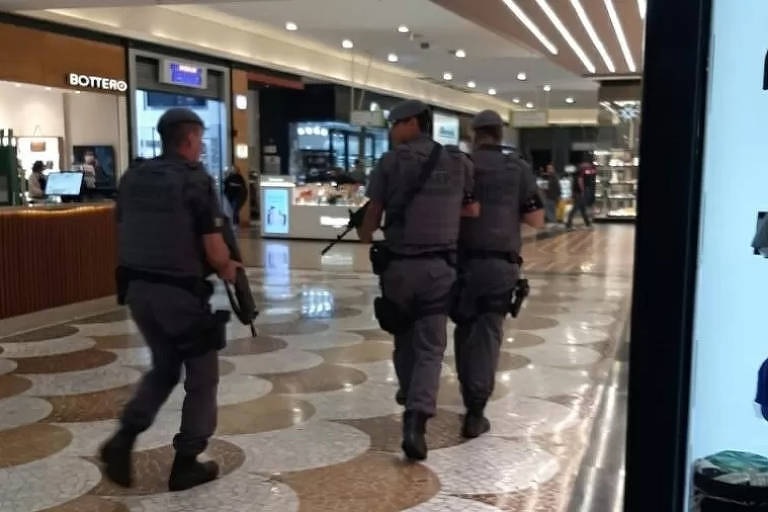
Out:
{"x": 493, "y": 61}
{"x": 494, "y": 15}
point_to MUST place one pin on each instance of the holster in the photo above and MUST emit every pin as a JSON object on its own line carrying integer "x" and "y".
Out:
{"x": 208, "y": 334}
{"x": 380, "y": 257}
{"x": 391, "y": 317}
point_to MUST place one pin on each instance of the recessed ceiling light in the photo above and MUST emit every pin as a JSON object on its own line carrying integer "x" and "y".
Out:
{"x": 547, "y": 87}
{"x": 566, "y": 35}
{"x": 582, "y": 14}
{"x": 522, "y": 76}
{"x": 471, "y": 84}
{"x": 447, "y": 76}
{"x": 17, "y": 85}
{"x": 348, "y": 44}
{"x": 529, "y": 105}
{"x": 515, "y": 100}
{"x": 492, "y": 91}
{"x": 460, "y": 53}
{"x": 569, "y": 99}
{"x": 517, "y": 11}
{"x": 403, "y": 29}
{"x": 48, "y": 89}
{"x": 392, "y": 57}
{"x": 77, "y": 92}
{"x": 291, "y": 26}
{"x": 616, "y": 22}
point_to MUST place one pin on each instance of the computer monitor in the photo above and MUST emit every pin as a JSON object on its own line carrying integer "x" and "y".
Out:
{"x": 64, "y": 184}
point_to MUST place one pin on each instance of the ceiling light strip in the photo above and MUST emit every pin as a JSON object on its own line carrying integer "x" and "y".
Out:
{"x": 582, "y": 14}
{"x": 642, "y": 6}
{"x": 616, "y": 22}
{"x": 530, "y": 25}
{"x": 566, "y": 35}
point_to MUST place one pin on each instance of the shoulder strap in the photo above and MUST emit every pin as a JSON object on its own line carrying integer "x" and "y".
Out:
{"x": 426, "y": 171}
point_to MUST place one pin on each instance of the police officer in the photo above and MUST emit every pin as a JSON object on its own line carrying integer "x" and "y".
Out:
{"x": 416, "y": 262}
{"x": 489, "y": 263}
{"x": 169, "y": 225}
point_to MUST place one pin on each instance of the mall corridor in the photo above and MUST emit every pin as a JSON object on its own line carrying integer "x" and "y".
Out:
{"x": 307, "y": 417}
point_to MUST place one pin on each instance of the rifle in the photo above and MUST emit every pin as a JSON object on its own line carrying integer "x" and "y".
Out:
{"x": 355, "y": 221}
{"x": 241, "y": 299}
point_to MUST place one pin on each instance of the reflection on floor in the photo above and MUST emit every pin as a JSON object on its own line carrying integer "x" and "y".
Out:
{"x": 307, "y": 419}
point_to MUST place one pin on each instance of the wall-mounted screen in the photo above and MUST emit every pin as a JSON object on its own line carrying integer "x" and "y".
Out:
{"x": 445, "y": 129}
{"x": 184, "y": 74}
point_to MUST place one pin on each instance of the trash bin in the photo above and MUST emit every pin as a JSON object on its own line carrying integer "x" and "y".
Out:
{"x": 730, "y": 481}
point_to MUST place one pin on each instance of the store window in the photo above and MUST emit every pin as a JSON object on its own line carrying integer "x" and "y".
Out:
{"x": 150, "y": 105}
{"x": 66, "y": 130}
{"x": 728, "y": 431}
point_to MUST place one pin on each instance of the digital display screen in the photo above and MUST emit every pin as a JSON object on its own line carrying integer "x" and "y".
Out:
{"x": 64, "y": 184}
{"x": 276, "y": 212}
{"x": 445, "y": 129}
{"x": 186, "y": 75}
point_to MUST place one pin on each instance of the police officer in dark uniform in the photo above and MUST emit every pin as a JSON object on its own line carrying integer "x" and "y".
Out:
{"x": 416, "y": 263}
{"x": 489, "y": 263}
{"x": 169, "y": 225}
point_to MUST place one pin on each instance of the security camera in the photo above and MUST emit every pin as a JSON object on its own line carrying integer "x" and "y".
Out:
{"x": 424, "y": 45}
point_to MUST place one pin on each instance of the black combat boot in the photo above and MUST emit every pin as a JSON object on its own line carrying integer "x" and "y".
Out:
{"x": 414, "y": 428}
{"x": 475, "y": 424}
{"x": 401, "y": 397}
{"x": 188, "y": 472}
{"x": 116, "y": 456}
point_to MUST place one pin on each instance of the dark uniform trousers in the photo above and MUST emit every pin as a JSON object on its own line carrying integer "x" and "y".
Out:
{"x": 163, "y": 313}
{"x": 418, "y": 355}
{"x": 477, "y": 343}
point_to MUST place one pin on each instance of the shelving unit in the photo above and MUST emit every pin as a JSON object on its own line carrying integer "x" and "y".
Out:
{"x": 616, "y": 193}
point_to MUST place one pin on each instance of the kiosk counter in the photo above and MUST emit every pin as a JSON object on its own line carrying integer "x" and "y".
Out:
{"x": 54, "y": 255}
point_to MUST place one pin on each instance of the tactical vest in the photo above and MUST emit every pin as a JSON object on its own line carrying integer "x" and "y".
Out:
{"x": 431, "y": 220}
{"x": 497, "y": 188}
{"x": 156, "y": 227}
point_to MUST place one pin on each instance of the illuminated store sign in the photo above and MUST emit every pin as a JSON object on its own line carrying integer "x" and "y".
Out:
{"x": 97, "y": 82}
{"x": 184, "y": 74}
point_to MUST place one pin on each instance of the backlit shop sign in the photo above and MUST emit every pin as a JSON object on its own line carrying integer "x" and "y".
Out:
{"x": 97, "y": 82}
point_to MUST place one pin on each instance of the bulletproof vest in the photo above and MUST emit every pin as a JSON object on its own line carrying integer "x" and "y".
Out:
{"x": 432, "y": 217}
{"x": 156, "y": 227}
{"x": 497, "y": 188}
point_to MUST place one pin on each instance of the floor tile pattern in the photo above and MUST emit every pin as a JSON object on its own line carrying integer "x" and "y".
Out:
{"x": 307, "y": 419}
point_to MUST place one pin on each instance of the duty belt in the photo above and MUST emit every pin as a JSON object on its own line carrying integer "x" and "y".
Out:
{"x": 482, "y": 254}
{"x": 431, "y": 255}
{"x": 194, "y": 285}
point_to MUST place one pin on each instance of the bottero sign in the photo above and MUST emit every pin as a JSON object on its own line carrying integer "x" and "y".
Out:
{"x": 97, "y": 82}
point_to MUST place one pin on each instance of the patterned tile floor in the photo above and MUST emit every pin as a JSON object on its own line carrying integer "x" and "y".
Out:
{"x": 307, "y": 420}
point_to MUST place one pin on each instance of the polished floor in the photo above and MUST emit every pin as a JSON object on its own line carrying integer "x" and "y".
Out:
{"x": 307, "y": 420}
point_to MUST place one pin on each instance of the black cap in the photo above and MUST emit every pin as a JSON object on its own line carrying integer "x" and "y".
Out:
{"x": 407, "y": 109}
{"x": 176, "y": 116}
{"x": 487, "y": 118}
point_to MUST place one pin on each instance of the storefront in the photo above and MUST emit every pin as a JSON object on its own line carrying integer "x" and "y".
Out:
{"x": 697, "y": 440}
{"x": 162, "y": 81}
{"x": 60, "y": 109}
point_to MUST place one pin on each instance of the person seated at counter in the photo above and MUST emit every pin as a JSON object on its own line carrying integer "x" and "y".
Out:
{"x": 36, "y": 181}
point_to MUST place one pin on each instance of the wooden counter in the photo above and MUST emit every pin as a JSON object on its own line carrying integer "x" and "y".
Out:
{"x": 55, "y": 255}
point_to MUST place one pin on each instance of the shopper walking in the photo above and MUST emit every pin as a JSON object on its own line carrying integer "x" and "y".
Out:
{"x": 580, "y": 197}
{"x": 236, "y": 192}
{"x": 553, "y": 194}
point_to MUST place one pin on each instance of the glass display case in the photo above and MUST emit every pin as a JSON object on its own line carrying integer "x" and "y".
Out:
{"x": 616, "y": 185}
{"x": 321, "y": 149}
{"x": 317, "y": 211}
